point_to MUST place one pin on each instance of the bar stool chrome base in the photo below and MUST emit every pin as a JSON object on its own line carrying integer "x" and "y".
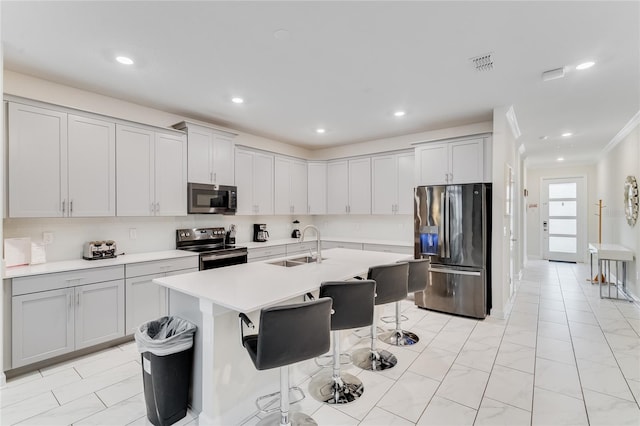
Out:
{"x": 370, "y": 360}
{"x": 399, "y": 338}
{"x": 327, "y": 388}
{"x": 295, "y": 418}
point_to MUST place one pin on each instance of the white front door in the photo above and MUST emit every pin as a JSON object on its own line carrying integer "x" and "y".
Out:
{"x": 563, "y": 219}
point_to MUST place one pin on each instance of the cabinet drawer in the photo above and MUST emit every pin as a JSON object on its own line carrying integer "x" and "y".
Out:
{"x": 388, "y": 248}
{"x": 273, "y": 251}
{"x": 340, "y": 244}
{"x": 44, "y": 282}
{"x": 297, "y": 248}
{"x": 161, "y": 266}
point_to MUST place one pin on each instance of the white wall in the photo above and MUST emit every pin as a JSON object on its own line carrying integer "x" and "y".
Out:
{"x": 616, "y": 164}
{"x": 504, "y": 153}
{"x": 534, "y": 214}
{"x": 46, "y": 91}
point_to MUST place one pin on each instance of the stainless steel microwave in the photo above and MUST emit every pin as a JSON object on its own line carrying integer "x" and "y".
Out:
{"x": 212, "y": 199}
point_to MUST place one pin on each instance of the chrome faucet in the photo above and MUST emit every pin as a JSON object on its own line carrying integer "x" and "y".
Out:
{"x": 318, "y": 253}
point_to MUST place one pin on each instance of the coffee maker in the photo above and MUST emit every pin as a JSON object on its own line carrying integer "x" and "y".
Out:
{"x": 296, "y": 232}
{"x": 260, "y": 233}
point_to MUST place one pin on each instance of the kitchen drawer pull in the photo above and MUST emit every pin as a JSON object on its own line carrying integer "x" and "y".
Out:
{"x": 455, "y": 272}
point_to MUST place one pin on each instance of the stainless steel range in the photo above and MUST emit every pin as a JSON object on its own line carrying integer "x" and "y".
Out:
{"x": 209, "y": 243}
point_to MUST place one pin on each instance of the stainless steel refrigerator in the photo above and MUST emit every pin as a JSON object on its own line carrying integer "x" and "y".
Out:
{"x": 452, "y": 226}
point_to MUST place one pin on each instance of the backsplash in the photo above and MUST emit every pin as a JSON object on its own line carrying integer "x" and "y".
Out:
{"x": 158, "y": 233}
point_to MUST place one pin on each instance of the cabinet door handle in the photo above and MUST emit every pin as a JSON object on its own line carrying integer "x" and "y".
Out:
{"x": 210, "y": 177}
{"x": 64, "y": 203}
{"x": 157, "y": 207}
{"x": 153, "y": 208}
{"x": 78, "y": 299}
{"x": 215, "y": 177}
{"x": 70, "y": 207}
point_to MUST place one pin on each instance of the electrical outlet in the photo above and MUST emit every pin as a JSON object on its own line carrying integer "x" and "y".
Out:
{"x": 133, "y": 234}
{"x": 47, "y": 238}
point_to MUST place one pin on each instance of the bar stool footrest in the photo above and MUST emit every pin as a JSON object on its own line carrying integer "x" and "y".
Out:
{"x": 345, "y": 358}
{"x": 296, "y": 418}
{"x": 391, "y": 319}
{"x": 274, "y": 398}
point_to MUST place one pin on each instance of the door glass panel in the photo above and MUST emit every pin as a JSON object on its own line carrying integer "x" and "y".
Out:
{"x": 562, "y": 244}
{"x": 563, "y": 226}
{"x": 562, "y": 208}
{"x": 562, "y": 190}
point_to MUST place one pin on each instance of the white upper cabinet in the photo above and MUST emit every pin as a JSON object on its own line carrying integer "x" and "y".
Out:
{"x": 210, "y": 154}
{"x": 317, "y": 187}
{"x": 135, "y": 171}
{"x": 170, "y": 175}
{"x": 254, "y": 179}
{"x": 60, "y": 165}
{"x": 290, "y": 186}
{"x": 392, "y": 183}
{"x": 360, "y": 186}
{"x": 151, "y": 172}
{"x": 349, "y": 186}
{"x": 92, "y": 167}
{"x": 337, "y": 187}
{"x": 450, "y": 162}
{"x": 37, "y": 162}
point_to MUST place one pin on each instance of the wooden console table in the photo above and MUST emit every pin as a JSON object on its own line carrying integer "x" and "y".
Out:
{"x": 607, "y": 253}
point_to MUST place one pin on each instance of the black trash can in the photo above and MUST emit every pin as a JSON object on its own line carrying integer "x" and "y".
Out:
{"x": 166, "y": 348}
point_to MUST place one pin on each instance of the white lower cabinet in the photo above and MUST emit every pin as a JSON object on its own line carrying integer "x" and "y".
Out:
{"x": 388, "y": 248}
{"x": 42, "y": 326}
{"x": 99, "y": 313}
{"x": 341, "y": 244}
{"x": 146, "y": 301}
{"x": 264, "y": 253}
{"x": 50, "y": 323}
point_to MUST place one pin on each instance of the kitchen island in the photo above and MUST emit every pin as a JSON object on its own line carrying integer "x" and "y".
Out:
{"x": 225, "y": 383}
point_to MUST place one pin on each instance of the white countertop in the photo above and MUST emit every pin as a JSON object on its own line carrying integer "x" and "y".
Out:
{"x": 611, "y": 251}
{"x": 253, "y": 286}
{"x": 74, "y": 265}
{"x": 283, "y": 241}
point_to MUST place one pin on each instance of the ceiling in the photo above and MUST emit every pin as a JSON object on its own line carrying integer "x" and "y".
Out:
{"x": 348, "y": 66}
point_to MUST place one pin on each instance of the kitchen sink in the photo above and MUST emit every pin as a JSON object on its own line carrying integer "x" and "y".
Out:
{"x": 286, "y": 263}
{"x": 305, "y": 259}
{"x": 297, "y": 261}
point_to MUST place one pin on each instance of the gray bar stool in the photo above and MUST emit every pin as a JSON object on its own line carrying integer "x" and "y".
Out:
{"x": 418, "y": 274}
{"x": 352, "y": 308}
{"x": 288, "y": 334}
{"x": 391, "y": 286}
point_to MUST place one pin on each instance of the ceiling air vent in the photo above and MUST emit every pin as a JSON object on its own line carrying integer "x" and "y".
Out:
{"x": 483, "y": 62}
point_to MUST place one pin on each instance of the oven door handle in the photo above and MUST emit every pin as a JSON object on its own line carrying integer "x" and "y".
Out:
{"x": 221, "y": 256}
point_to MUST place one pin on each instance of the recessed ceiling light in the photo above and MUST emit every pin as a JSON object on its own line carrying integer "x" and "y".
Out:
{"x": 237, "y": 100}
{"x": 124, "y": 60}
{"x": 585, "y": 65}
{"x": 567, "y": 134}
{"x": 399, "y": 113}
{"x": 560, "y": 159}
{"x": 320, "y": 130}
{"x": 543, "y": 138}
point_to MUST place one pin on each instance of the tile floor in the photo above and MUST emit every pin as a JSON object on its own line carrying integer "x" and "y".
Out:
{"x": 564, "y": 356}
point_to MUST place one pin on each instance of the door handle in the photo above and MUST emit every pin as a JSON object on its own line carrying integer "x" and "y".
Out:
{"x": 442, "y": 225}
{"x": 455, "y": 272}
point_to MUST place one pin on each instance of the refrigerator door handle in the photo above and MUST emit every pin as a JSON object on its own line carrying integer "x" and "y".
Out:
{"x": 455, "y": 272}
{"x": 442, "y": 227}
{"x": 447, "y": 226}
